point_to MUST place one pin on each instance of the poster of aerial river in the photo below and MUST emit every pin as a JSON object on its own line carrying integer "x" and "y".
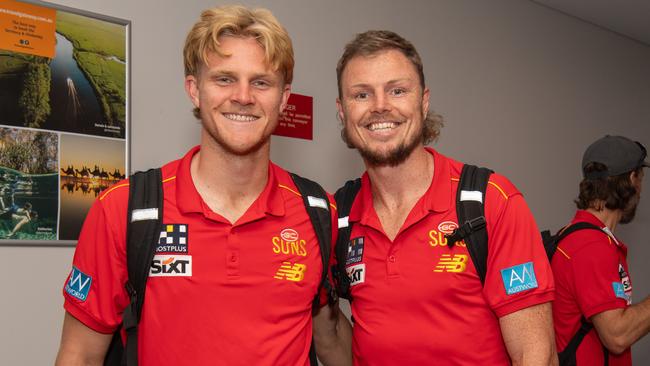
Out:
{"x": 63, "y": 117}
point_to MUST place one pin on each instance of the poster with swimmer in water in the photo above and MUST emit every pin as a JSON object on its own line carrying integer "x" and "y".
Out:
{"x": 63, "y": 117}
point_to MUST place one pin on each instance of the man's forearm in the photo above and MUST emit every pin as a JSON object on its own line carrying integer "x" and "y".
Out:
{"x": 620, "y": 328}
{"x": 528, "y": 336}
{"x": 333, "y": 337}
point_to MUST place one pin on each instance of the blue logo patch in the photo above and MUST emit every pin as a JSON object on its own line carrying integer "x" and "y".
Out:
{"x": 355, "y": 251}
{"x": 78, "y": 284}
{"x": 619, "y": 291}
{"x": 519, "y": 278}
{"x": 173, "y": 239}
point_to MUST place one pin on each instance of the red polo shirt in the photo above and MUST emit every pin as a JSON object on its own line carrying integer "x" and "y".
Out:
{"x": 591, "y": 276}
{"x": 218, "y": 293}
{"x": 418, "y": 302}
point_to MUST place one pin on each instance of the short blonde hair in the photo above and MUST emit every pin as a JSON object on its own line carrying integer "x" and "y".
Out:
{"x": 238, "y": 21}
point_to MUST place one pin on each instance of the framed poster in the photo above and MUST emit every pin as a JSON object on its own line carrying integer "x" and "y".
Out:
{"x": 64, "y": 118}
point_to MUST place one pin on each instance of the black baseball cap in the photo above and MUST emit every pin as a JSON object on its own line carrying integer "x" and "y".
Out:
{"x": 617, "y": 153}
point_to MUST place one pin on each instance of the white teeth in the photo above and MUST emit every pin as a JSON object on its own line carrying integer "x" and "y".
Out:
{"x": 381, "y": 126}
{"x": 240, "y": 117}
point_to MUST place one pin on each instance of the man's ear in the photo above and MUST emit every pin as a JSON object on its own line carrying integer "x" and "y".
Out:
{"x": 285, "y": 97}
{"x": 192, "y": 89}
{"x": 425, "y": 103}
{"x": 339, "y": 110}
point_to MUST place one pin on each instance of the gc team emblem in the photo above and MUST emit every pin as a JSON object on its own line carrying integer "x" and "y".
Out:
{"x": 289, "y": 235}
{"x": 78, "y": 284}
{"x": 291, "y": 272}
{"x": 447, "y": 227}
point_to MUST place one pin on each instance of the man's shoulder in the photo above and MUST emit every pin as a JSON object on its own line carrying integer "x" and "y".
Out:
{"x": 587, "y": 242}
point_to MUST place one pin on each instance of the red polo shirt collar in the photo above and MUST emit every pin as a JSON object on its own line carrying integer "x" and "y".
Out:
{"x": 188, "y": 199}
{"x": 438, "y": 197}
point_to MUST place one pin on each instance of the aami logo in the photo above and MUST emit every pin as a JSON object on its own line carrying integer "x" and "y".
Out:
{"x": 289, "y": 243}
{"x": 78, "y": 284}
{"x": 289, "y": 235}
{"x": 171, "y": 266}
{"x": 294, "y": 272}
{"x": 519, "y": 278}
{"x": 357, "y": 274}
{"x": 455, "y": 264}
{"x": 447, "y": 227}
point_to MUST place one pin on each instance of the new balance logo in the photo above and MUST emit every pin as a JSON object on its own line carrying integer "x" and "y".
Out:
{"x": 455, "y": 264}
{"x": 78, "y": 284}
{"x": 291, "y": 272}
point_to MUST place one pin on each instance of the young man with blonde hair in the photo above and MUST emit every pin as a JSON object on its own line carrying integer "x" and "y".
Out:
{"x": 240, "y": 298}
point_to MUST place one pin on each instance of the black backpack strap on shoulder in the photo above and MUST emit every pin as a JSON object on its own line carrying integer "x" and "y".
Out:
{"x": 470, "y": 209}
{"x": 568, "y": 355}
{"x": 144, "y": 223}
{"x": 575, "y": 227}
{"x": 317, "y": 205}
{"x": 344, "y": 198}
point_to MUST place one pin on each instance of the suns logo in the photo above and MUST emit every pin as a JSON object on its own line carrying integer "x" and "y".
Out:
{"x": 289, "y": 242}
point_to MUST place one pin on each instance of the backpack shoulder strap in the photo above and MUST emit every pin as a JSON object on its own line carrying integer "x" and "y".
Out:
{"x": 344, "y": 198}
{"x": 317, "y": 205}
{"x": 575, "y": 227}
{"x": 470, "y": 209}
{"x": 144, "y": 223}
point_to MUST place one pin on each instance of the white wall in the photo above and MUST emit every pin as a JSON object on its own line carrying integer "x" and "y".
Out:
{"x": 524, "y": 90}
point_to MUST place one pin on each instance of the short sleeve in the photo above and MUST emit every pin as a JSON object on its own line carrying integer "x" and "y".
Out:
{"x": 519, "y": 274}
{"x": 595, "y": 270}
{"x": 94, "y": 291}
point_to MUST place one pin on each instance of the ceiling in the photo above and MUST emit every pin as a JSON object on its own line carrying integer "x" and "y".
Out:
{"x": 630, "y": 18}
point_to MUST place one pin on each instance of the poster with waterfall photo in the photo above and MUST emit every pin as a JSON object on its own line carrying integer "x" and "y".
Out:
{"x": 64, "y": 80}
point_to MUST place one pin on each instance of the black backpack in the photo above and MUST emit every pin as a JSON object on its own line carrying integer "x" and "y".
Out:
{"x": 143, "y": 233}
{"x": 471, "y": 213}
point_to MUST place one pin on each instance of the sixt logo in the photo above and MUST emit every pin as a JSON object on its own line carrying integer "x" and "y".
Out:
{"x": 78, "y": 284}
{"x": 289, "y": 243}
{"x": 519, "y": 278}
{"x": 357, "y": 274}
{"x": 291, "y": 272}
{"x": 455, "y": 264}
{"x": 171, "y": 266}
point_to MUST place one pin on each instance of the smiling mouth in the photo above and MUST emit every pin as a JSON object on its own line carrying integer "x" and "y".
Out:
{"x": 381, "y": 126}
{"x": 240, "y": 117}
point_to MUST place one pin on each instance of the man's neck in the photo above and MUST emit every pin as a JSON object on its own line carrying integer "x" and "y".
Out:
{"x": 610, "y": 218}
{"x": 229, "y": 183}
{"x": 395, "y": 190}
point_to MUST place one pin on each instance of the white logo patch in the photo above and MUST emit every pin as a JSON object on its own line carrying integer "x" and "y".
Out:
{"x": 171, "y": 265}
{"x": 357, "y": 274}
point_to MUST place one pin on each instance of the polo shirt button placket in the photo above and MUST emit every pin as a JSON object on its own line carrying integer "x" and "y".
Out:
{"x": 232, "y": 255}
{"x": 391, "y": 265}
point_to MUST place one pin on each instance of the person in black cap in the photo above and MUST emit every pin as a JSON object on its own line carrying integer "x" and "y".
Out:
{"x": 595, "y": 321}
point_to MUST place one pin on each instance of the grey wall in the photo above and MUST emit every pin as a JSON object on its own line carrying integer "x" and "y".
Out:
{"x": 524, "y": 90}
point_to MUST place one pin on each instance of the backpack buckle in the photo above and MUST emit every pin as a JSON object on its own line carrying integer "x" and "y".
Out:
{"x": 465, "y": 230}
